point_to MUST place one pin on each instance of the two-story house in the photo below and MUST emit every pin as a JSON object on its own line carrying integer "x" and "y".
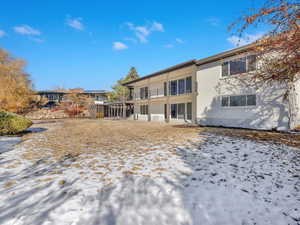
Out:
{"x": 215, "y": 91}
{"x": 167, "y": 95}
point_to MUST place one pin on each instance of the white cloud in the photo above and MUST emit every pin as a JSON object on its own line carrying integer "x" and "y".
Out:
{"x": 26, "y": 30}
{"x": 179, "y": 41}
{"x": 142, "y": 38}
{"x": 2, "y": 33}
{"x": 247, "y": 39}
{"x": 157, "y": 27}
{"x": 142, "y": 32}
{"x": 213, "y": 21}
{"x": 75, "y": 23}
{"x": 119, "y": 46}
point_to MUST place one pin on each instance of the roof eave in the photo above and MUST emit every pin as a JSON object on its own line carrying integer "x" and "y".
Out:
{"x": 169, "y": 69}
{"x": 225, "y": 54}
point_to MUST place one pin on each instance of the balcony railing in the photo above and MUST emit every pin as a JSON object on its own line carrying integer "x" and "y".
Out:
{"x": 158, "y": 93}
{"x": 153, "y": 93}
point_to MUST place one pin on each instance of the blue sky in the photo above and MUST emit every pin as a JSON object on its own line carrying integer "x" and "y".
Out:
{"x": 92, "y": 43}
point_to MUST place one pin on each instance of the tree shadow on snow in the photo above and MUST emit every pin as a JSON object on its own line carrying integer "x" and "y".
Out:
{"x": 31, "y": 201}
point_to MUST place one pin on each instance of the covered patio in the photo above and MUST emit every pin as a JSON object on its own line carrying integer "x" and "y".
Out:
{"x": 118, "y": 109}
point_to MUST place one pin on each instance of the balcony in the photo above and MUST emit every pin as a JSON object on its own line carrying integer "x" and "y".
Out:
{"x": 160, "y": 93}
{"x": 153, "y": 93}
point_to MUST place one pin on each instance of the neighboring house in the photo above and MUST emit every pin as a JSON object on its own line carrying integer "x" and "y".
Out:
{"x": 99, "y": 96}
{"x": 52, "y": 96}
{"x": 214, "y": 91}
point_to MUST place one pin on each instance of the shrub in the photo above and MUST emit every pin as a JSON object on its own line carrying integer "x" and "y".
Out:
{"x": 11, "y": 123}
{"x": 74, "y": 111}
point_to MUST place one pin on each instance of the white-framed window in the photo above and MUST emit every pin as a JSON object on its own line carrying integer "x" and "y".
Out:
{"x": 239, "y": 65}
{"x": 238, "y": 100}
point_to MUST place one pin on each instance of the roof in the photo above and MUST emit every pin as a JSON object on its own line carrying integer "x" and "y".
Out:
{"x": 95, "y": 91}
{"x": 169, "y": 69}
{"x": 51, "y": 92}
{"x": 197, "y": 62}
{"x": 225, "y": 54}
{"x": 67, "y": 92}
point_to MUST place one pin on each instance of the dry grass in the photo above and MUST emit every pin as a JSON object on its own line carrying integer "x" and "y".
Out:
{"x": 260, "y": 136}
{"x": 10, "y": 184}
{"x": 124, "y": 139}
{"x": 128, "y": 138}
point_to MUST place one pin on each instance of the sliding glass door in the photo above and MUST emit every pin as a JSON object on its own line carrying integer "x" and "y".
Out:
{"x": 181, "y": 111}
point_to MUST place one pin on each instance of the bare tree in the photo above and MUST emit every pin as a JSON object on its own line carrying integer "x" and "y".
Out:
{"x": 279, "y": 50}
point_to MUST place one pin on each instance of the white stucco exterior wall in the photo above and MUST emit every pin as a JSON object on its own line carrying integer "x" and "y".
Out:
{"x": 271, "y": 111}
{"x": 297, "y": 104}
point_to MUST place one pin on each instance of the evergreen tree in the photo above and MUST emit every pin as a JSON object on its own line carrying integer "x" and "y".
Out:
{"x": 121, "y": 92}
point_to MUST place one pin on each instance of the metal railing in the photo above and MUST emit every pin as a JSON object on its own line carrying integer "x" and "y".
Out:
{"x": 153, "y": 93}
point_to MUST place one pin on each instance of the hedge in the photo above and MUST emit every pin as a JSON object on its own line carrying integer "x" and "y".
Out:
{"x": 11, "y": 123}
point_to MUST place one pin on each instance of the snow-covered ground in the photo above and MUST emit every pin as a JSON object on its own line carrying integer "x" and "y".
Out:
{"x": 215, "y": 180}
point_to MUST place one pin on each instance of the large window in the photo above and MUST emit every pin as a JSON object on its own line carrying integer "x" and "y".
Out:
{"x": 173, "y": 87}
{"x": 181, "y": 86}
{"x": 188, "y": 85}
{"x": 238, "y": 66}
{"x": 144, "y": 93}
{"x": 144, "y": 109}
{"x": 181, "y": 111}
{"x": 238, "y": 100}
{"x": 174, "y": 111}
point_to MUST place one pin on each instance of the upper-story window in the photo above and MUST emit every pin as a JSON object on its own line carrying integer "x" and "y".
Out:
{"x": 144, "y": 93}
{"x": 238, "y": 66}
{"x": 188, "y": 85}
{"x": 173, "y": 87}
{"x": 182, "y": 86}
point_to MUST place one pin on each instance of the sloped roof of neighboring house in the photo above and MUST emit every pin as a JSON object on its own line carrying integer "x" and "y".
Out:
{"x": 169, "y": 69}
{"x": 51, "y": 92}
{"x": 225, "y": 54}
{"x": 67, "y": 92}
{"x": 95, "y": 91}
